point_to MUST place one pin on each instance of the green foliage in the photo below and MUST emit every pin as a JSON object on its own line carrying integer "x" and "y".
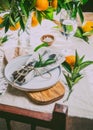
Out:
{"x": 80, "y": 14}
{"x": 19, "y": 10}
{"x": 16, "y": 10}
{"x": 49, "y": 13}
{"x": 79, "y": 33}
{"x": 73, "y": 74}
{"x": 74, "y": 7}
{"x": 88, "y": 33}
{"x": 44, "y": 44}
{"x": 3, "y": 39}
{"x": 4, "y": 5}
{"x": 41, "y": 62}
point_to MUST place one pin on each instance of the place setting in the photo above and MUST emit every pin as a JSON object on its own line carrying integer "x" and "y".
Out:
{"x": 38, "y": 75}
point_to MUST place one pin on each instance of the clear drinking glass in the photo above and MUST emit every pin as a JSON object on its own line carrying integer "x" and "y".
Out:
{"x": 68, "y": 24}
{"x": 24, "y": 37}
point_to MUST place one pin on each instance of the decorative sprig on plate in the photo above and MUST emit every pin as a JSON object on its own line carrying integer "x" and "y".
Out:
{"x": 20, "y": 74}
{"x": 44, "y": 44}
{"x": 73, "y": 72}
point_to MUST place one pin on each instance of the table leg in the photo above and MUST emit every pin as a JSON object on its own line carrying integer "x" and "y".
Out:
{"x": 33, "y": 127}
{"x": 59, "y": 117}
{"x": 54, "y": 121}
{"x": 8, "y": 124}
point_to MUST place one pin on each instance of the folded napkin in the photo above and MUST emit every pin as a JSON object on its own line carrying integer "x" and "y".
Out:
{"x": 47, "y": 53}
{"x": 40, "y": 62}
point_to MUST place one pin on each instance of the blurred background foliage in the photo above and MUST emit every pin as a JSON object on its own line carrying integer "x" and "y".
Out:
{"x": 17, "y": 12}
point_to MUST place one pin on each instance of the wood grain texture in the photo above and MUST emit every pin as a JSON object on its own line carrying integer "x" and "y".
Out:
{"x": 48, "y": 96}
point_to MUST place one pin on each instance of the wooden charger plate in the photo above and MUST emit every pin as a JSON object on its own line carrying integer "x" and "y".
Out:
{"x": 43, "y": 97}
{"x": 48, "y": 96}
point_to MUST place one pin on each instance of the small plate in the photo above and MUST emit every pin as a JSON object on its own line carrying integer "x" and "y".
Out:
{"x": 35, "y": 84}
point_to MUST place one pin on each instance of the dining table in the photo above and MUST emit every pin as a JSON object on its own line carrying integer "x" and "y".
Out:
{"x": 17, "y": 104}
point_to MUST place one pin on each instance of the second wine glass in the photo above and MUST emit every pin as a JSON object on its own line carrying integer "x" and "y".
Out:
{"x": 68, "y": 24}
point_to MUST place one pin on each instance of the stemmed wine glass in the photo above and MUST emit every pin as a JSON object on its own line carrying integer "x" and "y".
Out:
{"x": 68, "y": 24}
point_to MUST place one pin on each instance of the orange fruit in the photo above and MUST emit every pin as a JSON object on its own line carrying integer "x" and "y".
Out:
{"x": 42, "y": 5}
{"x": 87, "y": 26}
{"x": 14, "y": 28}
{"x": 70, "y": 60}
{"x": 1, "y": 20}
{"x": 34, "y": 21}
{"x": 54, "y": 4}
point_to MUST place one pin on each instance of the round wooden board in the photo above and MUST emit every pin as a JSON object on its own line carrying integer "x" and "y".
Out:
{"x": 48, "y": 96}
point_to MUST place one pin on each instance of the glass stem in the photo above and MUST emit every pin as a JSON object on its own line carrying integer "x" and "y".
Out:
{"x": 27, "y": 30}
{"x": 19, "y": 42}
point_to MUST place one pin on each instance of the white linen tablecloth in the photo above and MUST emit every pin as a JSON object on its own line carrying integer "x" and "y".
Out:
{"x": 80, "y": 103}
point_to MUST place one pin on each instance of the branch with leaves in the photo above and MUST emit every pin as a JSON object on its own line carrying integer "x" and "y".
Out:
{"x": 3, "y": 39}
{"x": 83, "y": 35}
{"x": 19, "y": 10}
{"x": 73, "y": 72}
{"x": 73, "y": 6}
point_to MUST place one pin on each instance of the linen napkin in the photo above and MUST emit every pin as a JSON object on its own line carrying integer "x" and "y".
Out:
{"x": 3, "y": 82}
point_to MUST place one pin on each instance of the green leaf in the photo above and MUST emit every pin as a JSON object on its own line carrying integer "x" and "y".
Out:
{"x": 39, "y": 63}
{"x": 11, "y": 21}
{"x": 83, "y": 1}
{"x": 6, "y": 23}
{"x": 58, "y": 10}
{"x": 78, "y": 33}
{"x": 44, "y": 44}
{"x": 2, "y": 25}
{"x": 32, "y": 4}
{"x": 42, "y": 63}
{"x": 88, "y": 33}
{"x": 75, "y": 73}
{"x": 77, "y": 59}
{"x": 17, "y": 19}
{"x": 22, "y": 23}
{"x": 77, "y": 79}
{"x": 49, "y": 13}
{"x": 4, "y": 4}
{"x": 73, "y": 76}
{"x": 74, "y": 11}
{"x": 39, "y": 16}
{"x": 81, "y": 59}
{"x": 67, "y": 67}
{"x": 69, "y": 82}
{"x": 67, "y": 1}
{"x": 22, "y": 6}
{"x": 49, "y": 61}
{"x": 80, "y": 14}
{"x": 40, "y": 58}
{"x": 86, "y": 39}
{"x": 3, "y": 39}
{"x": 85, "y": 64}
{"x": 22, "y": 1}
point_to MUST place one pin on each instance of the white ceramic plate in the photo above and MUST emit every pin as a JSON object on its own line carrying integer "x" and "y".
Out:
{"x": 36, "y": 83}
